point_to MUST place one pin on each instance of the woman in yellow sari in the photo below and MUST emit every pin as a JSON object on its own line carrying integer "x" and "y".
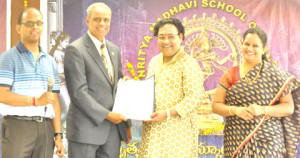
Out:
{"x": 260, "y": 104}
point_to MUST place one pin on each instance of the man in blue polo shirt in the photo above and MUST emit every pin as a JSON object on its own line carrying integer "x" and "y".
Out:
{"x": 26, "y": 102}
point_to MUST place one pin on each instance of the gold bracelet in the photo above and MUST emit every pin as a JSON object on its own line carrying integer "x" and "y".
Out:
{"x": 27, "y": 99}
{"x": 168, "y": 113}
{"x": 230, "y": 111}
{"x": 266, "y": 111}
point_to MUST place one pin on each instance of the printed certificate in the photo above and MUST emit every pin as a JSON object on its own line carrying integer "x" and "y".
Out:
{"x": 135, "y": 99}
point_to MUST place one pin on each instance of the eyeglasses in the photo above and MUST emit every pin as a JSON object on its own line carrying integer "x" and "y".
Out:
{"x": 170, "y": 37}
{"x": 30, "y": 23}
{"x": 98, "y": 20}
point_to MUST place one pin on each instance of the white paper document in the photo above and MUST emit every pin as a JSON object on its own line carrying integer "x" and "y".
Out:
{"x": 135, "y": 99}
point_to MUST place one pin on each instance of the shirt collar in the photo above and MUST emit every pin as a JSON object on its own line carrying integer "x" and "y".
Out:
{"x": 96, "y": 41}
{"x": 22, "y": 49}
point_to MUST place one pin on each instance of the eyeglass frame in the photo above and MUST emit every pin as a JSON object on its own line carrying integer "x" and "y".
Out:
{"x": 98, "y": 20}
{"x": 170, "y": 37}
{"x": 31, "y": 24}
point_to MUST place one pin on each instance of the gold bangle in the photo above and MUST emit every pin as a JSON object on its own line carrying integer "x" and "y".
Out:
{"x": 266, "y": 111}
{"x": 168, "y": 113}
{"x": 27, "y": 99}
{"x": 230, "y": 111}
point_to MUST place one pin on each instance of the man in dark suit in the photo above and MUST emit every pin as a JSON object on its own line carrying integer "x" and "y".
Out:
{"x": 92, "y": 71}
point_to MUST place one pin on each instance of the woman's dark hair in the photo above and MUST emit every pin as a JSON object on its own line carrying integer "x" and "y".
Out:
{"x": 177, "y": 23}
{"x": 261, "y": 34}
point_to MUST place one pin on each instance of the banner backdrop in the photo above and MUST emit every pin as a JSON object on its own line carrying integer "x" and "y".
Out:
{"x": 218, "y": 24}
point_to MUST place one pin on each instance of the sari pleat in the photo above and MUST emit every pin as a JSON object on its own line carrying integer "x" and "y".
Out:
{"x": 276, "y": 137}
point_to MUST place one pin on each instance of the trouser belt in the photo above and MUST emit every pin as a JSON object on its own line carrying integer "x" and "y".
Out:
{"x": 29, "y": 118}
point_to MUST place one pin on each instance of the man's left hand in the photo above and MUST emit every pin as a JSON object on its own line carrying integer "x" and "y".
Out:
{"x": 59, "y": 146}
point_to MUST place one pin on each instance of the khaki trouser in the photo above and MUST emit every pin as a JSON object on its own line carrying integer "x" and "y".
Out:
{"x": 27, "y": 139}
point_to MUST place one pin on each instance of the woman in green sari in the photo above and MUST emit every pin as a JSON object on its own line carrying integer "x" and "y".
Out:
{"x": 260, "y": 103}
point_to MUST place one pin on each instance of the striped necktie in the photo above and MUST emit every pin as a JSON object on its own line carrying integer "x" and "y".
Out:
{"x": 104, "y": 59}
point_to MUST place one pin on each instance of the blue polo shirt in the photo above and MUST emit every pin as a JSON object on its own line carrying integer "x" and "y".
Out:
{"x": 25, "y": 76}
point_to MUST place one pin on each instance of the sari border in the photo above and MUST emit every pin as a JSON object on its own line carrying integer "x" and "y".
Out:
{"x": 290, "y": 79}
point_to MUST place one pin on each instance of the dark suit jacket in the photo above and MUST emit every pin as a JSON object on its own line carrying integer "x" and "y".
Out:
{"x": 91, "y": 92}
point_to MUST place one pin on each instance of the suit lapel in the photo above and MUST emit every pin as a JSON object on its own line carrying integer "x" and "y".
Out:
{"x": 92, "y": 50}
{"x": 113, "y": 58}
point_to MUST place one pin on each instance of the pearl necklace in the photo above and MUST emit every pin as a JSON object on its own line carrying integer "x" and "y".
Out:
{"x": 248, "y": 80}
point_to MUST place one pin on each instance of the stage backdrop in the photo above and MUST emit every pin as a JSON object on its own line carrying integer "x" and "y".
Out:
{"x": 217, "y": 22}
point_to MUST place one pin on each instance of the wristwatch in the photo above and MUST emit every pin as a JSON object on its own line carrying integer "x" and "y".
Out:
{"x": 59, "y": 134}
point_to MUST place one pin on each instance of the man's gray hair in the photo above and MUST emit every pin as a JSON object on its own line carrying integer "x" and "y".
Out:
{"x": 98, "y": 4}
